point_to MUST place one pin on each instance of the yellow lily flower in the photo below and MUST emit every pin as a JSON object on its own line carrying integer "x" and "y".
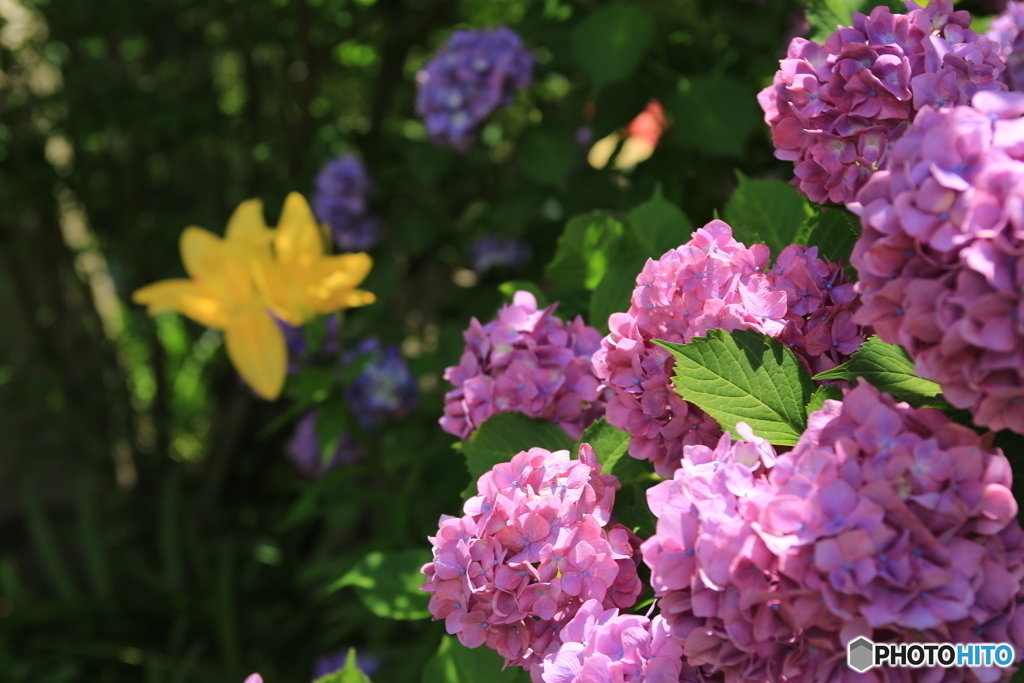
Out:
{"x": 221, "y": 294}
{"x": 298, "y": 281}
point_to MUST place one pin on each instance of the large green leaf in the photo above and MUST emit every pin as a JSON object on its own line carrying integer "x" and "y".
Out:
{"x": 454, "y": 663}
{"x": 586, "y": 249}
{"x": 350, "y": 673}
{"x": 610, "y": 43}
{"x": 744, "y": 376}
{"x": 888, "y": 368}
{"x": 609, "y": 443}
{"x": 659, "y": 225}
{"x": 389, "y": 584}
{"x": 766, "y": 212}
{"x": 715, "y": 114}
{"x": 503, "y": 435}
{"x": 822, "y": 394}
{"x": 614, "y": 293}
{"x": 833, "y": 231}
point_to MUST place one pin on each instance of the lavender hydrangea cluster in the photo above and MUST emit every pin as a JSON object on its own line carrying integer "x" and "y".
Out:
{"x": 883, "y": 521}
{"x": 939, "y": 256}
{"x": 383, "y": 390}
{"x": 1005, "y": 30}
{"x": 714, "y": 282}
{"x": 531, "y": 548}
{"x": 474, "y": 73}
{"x": 600, "y": 644}
{"x": 340, "y": 202}
{"x": 527, "y": 360}
{"x": 835, "y": 109}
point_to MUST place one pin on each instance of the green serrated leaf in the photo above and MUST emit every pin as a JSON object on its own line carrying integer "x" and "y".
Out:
{"x": 389, "y": 584}
{"x": 350, "y": 673}
{"x": 632, "y": 510}
{"x": 610, "y": 43}
{"x": 587, "y": 248}
{"x": 888, "y": 368}
{"x": 833, "y": 231}
{"x": 609, "y": 443}
{"x": 822, "y": 394}
{"x": 744, "y": 376}
{"x": 715, "y": 114}
{"x": 659, "y": 225}
{"x": 766, "y": 212}
{"x": 503, "y": 435}
{"x": 454, "y": 663}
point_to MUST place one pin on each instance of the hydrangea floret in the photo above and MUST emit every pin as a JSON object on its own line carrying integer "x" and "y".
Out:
{"x": 883, "y": 521}
{"x": 1005, "y": 30}
{"x": 600, "y": 644}
{"x": 474, "y": 73}
{"x": 531, "y": 548}
{"x": 715, "y": 282}
{"x": 835, "y": 109}
{"x": 939, "y": 261}
{"x": 527, "y": 360}
{"x": 340, "y": 202}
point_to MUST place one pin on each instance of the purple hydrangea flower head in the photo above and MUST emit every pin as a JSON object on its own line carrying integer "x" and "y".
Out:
{"x": 532, "y": 547}
{"x": 336, "y": 661}
{"x": 492, "y": 251}
{"x": 527, "y": 360}
{"x": 714, "y": 282}
{"x": 340, "y": 202}
{"x": 884, "y": 521}
{"x": 600, "y": 644}
{"x": 306, "y": 452}
{"x": 939, "y": 255}
{"x": 1005, "y": 30}
{"x": 474, "y": 73}
{"x": 385, "y": 388}
{"x": 835, "y": 109}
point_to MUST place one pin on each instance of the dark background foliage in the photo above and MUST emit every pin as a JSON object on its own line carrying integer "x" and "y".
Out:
{"x": 152, "y": 528}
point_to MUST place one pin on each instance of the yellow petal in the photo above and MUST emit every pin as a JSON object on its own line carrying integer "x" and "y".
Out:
{"x": 297, "y": 238}
{"x": 280, "y": 288}
{"x": 257, "y": 349}
{"x": 185, "y": 297}
{"x": 198, "y": 248}
{"x": 348, "y": 298}
{"x": 246, "y": 226}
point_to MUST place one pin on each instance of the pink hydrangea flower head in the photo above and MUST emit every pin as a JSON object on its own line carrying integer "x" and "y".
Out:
{"x": 1005, "y": 31}
{"x": 835, "y": 109}
{"x": 602, "y": 645}
{"x": 533, "y": 546}
{"x": 712, "y": 282}
{"x": 885, "y": 521}
{"x": 527, "y": 360}
{"x": 939, "y": 255}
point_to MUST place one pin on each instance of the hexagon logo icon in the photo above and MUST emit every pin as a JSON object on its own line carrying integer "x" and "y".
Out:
{"x": 860, "y": 654}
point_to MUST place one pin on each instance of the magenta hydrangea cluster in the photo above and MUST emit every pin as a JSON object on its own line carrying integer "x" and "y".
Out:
{"x": 599, "y": 644}
{"x": 1006, "y": 31}
{"x": 712, "y": 282}
{"x": 527, "y": 360}
{"x": 835, "y": 109}
{"x": 939, "y": 255}
{"x": 530, "y": 549}
{"x": 472, "y": 75}
{"x": 883, "y": 521}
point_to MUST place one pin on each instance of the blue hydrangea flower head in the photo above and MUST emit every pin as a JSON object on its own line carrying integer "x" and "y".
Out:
{"x": 385, "y": 388}
{"x": 472, "y": 75}
{"x": 492, "y": 251}
{"x": 340, "y": 202}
